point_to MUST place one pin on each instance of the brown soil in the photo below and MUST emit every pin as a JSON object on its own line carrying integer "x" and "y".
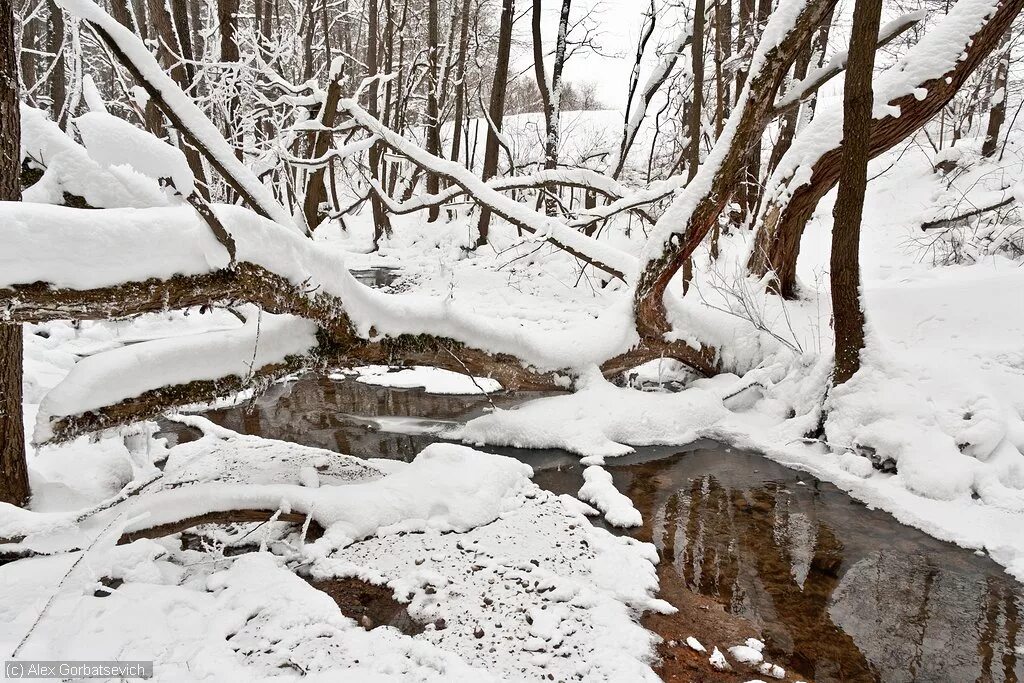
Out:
{"x": 368, "y": 604}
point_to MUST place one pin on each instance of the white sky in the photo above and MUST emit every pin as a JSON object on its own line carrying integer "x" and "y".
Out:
{"x": 618, "y": 22}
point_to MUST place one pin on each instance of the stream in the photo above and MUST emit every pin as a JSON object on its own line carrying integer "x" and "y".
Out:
{"x": 840, "y": 592}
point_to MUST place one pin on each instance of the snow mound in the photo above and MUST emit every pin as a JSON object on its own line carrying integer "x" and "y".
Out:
{"x": 599, "y": 490}
{"x": 599, "y": 420}
{"x": 431, "y": 380}
{"x": 113, "y": 143}
{"x": 537, "y": 594}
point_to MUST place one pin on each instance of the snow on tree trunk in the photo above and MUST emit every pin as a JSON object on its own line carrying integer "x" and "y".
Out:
{"x": 698, "y": 206}
{"x": 907, "y": 96}
{"x": 858, "y": 101}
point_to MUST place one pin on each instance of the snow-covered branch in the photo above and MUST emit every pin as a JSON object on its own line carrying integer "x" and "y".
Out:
{"x": 821, "y": 75}
{"x": 188, "y": 119}
{"x": 600, "y": 255}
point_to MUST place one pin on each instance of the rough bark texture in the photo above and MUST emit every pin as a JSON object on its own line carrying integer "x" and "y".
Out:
{"x": 858, "y": 102}
{"x": 697, "y": 99}
{"x": 997, "y": 112}
{"x": 754, "y": 115}
{"x": 433, "y": 111}
{"x": 496, "y": 109}
{"x": 777, "y": 245}
{"x": 381, "y": 222}
{"x": 57, "y": 78}
{"x": 13, "y": 467}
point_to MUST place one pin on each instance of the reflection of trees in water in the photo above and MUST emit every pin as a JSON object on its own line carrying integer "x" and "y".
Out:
{"x": 324, "y": 413}
{"x": 767, "y": 554}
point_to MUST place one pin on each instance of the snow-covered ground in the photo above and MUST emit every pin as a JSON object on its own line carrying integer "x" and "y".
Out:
{"x": 941, "y": 393}
{"x": 524, "y": 585}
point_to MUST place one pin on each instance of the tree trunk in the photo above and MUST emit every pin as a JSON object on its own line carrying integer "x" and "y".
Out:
{"x": 433, "y": 114}
{"x": 168, "y": 45}
{"x": 858, "y": 103}
{"x": 723, "y": 53}
{"x": 496, "y": 109}
{"x": 997, "y": 110}
{"x": 13, "y": 466}
{"x": 791, "y": 118}
{"x": 179, "y": 13}
{"x": 697, "y": 101}
{"x": 58, "y": 78}
{"x": 460, "y": 85}
{"x": 121, "y": 10}
{"x": 227, "y": 22}
{"x": 550, "y": 93}
{"x": 381, "y": 222}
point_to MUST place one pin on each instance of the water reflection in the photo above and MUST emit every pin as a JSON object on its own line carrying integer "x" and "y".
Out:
{"x": 841, "y": 592}
{"x": 350, "y": 417}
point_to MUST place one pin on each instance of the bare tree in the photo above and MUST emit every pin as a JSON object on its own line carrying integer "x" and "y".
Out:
{"x": 460, "y": 81}
{"x": 381, "y": 222}
{"x": 58, "y": 77}
{"x": 433, "y": 122}
{"x": 696, "y": 117}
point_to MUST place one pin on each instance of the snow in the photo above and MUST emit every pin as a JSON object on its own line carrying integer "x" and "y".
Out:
{"x": 113, "y": 142}
{"x": 431, "y": 380}
{"x": 694, "y": 644}
{"x": 524, "y": 587}
{"x": 204, "y": 130}
{"x": 599, "y": 420}
{"x": 108, "y": 378}
{"x": 599, "y": 490}
{"x": 70, "y": 168}
{"x": 745, "y": 654}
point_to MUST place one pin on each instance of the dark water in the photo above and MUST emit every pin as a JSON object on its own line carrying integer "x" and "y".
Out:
{"x": 840, "y": 592}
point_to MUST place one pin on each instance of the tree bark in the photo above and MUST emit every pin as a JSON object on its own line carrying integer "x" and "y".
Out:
{"x": 697, "y": 100}
{"x": 460, "y": 85}
{"x": 858, "y": 103}
{"x": 179, "y": 13}
{"x": 381, "y": 222}
{"x": 168, "y": 45}
{"x": 433, "y": 122}
{"x": 997, "y": 111}
{"x": 14, "y": 487}
{"x": 723, "y": 53}
{"x": 227, "y": 23}
{"x": 496, "y": 109}
{"x": 550, "y": 95}
{"x": 58, "y": 78}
